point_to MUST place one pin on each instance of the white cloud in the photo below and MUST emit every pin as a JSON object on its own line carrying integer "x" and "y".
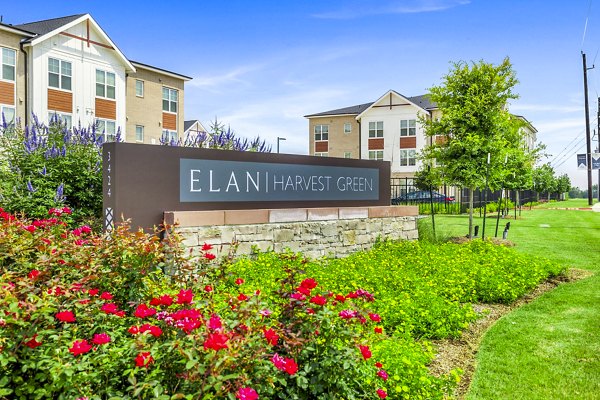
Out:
{"x": 561, "y": 108}
{"x": 359, "y": 9}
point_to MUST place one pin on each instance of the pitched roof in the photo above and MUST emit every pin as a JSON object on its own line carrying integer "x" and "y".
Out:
{"x": 421, "y": 101}
{"x": 14, "y": 29}
{"x": 48, "y": 25}
{"x": 138, "y": 64}
{"x": 343, "y": 111}
{"x": 188, "y": 124}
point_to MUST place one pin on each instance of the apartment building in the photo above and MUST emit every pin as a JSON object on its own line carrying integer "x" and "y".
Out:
{"x": 69, "y": 67}
{"x": 386, "y": 129}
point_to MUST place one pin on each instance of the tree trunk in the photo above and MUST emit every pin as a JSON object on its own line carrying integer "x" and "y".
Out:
{"x": 470, "y": 213}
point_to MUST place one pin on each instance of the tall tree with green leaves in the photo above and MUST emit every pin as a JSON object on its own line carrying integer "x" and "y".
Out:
{"x": 474, "y": 122}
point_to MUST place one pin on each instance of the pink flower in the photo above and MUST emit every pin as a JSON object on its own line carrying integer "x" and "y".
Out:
{"x": 214, "y": 323}
{"x": 143, "y": 311}
{"x": 106, "y": 296}
{"x": 239, "y": 281}
{"x": 101, "y": 338}
{"x": 375, "y": 317}
{"x": 246, "y": 393}
{"x": 381, "y": 393}
{"x": 347, "y": 314}
{"x": 33, "y": 274}
{"x": 216, "y": 341}
{"x": 93, "y": 292}
{"x": 86, "y": 229}
{"x": 66, "y": 210}
{"x": 271, "y": 336}
{"x": 318, "y": 300}
{"x": 382, "y": 374}
{"x": 65, "y": 316}
{"x": 365, "y": 351}
{"x": 265, "y": 312}
{"x": 185, "y": 296}
{"x": 29, "y": 228}
{"x": 298, "y": 296}
{"x": 144, "y": 359}
{"x": 80, "y": 347}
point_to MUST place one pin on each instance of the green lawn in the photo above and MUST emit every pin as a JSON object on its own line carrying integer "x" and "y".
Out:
{"x": 550, "y": 348}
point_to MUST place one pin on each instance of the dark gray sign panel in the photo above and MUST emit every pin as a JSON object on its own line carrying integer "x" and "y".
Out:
{"x": 230, "y": 181}
{"x": 141, "y": 182}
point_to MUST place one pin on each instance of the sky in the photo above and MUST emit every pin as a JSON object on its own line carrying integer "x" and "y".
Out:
{"x": 260, "y": 66}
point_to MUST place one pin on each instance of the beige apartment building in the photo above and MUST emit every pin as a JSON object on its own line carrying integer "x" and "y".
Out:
{"x": 386, "y": 129}
{"x": 70, "y": 68}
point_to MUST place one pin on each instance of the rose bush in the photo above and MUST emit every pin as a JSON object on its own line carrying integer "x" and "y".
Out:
{"x": 88, "y": 316}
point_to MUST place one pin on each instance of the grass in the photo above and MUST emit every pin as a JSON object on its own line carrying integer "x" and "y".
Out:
{"x": 550, "y": 348}
{"x": 571, "y": 203}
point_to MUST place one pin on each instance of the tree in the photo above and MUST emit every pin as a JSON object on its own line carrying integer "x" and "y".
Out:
{"x": 544, "y": 180}
{"x": 474, "y": 122}
{"x": 563, "y": 184}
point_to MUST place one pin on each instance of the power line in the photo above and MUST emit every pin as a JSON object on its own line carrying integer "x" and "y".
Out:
{"x": 567, "y": 146}
{"x": 575, "y": 152}
{"x": 586, "y": 24}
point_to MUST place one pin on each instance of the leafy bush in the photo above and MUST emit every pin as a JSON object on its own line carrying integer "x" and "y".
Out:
{"x": 86, "y": 316}
{"x": 51, "y": 166}
{"x": 439, "y": 208}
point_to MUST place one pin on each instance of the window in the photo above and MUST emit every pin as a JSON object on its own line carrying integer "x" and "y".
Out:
{"x": 408, "y": 127}
{"x": 376, "y": 129}
{"x": 139, "y": 133}
{"x": 59, "y": 74}
{"x": 321, "y": 154}
{"x": 61, "y": 117}
{"x": 105, "y": 84}
{"x": 7, "y": 114}
{"x": 347, "y": 154}
{"x": 321, "y": 132}
{"x": 408, "y": 157}
{"x": 139, "y": 88}
{"x": 347, "y": 128}
{"x": 9, "y": 58}
{"x": 107, "y": 129}
{"x": 375, "y": 154}
{"x": 169, "y": 135}
{"x": 169, "y": 100}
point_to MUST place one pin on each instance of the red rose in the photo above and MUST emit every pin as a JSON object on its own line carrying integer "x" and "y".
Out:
{"x": 309, "y": 283}
{"x": 215, "y": 322}
{"x": 271, "y": 336}
{"x": 208, "y": 288}
{"x": 382, "y": 374}
{"x": 378, "y": 329}
{"x": 134, "y": 330}
{"x": 242, "y": 297}
{"x": 33, "y": 274}
{"x": 101, "y": 338}
{"x": 93, "y": 292}
{"x": 106, "y": 296}
{"x": 381, "y": 393}
{"x": 143, "y": 311}
{"x": 32, "y": 343}
{"x": 109, "y": 308}
{"x": 209, "y": 256}
{"x": 144, "y": 359}
{"x": 80, "y": 347}
{"x": 216, "y": 341}
{"x": 239, "y": 281}
{"x": 206, "y": 247}
{"x": 185, "y": 296}
{"x": 365, "y": 351}
{"x": 318, "y": 300}
{"x": 375, "y": 317}
{"x": 65, "y": 316}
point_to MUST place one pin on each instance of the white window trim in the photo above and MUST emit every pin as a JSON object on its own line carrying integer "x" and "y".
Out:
{"x": 408, "y": 127}
{"x": 375, "y": 154}
{"x": 170, "y": 101}
{"x": 377, "y": 134}
{"x": 103, "y": 132}
{"x": 321, "y": 154}
{"x": 405, "y": 159}
{"x": 106, "y": 85}
{"x": 2, "y": 48}
{"x": 136, "y": 133}
{"x": 60, "y": 75}
{"x": 62, "y": 116}
{"x": 170, "y": 134}
{"x": 320, "y": 133}
{"x": 349, "y": 131}
{"x": 4, "y": 107}
{"x": 143, "y": 88}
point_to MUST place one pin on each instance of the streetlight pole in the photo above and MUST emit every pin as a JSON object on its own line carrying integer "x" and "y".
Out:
{"x": 278, "y": 140}
{"x": 588, "y": 139}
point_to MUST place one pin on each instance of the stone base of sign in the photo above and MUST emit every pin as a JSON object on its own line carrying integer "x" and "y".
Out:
{"x": 316, "y": 232}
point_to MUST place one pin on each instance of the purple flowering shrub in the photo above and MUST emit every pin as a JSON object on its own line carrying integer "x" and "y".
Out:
{"x": 51, "y": 166}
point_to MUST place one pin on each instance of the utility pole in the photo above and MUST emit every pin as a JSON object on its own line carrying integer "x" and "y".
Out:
{"x": 598, "y": 149}
{"x": 587, "y": 131}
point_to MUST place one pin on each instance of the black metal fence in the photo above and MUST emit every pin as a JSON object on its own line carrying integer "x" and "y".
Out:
{"x": 453, "y": 200}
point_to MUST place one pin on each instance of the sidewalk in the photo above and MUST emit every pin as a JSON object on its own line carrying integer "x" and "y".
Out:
{"x": 596, "y": 207}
